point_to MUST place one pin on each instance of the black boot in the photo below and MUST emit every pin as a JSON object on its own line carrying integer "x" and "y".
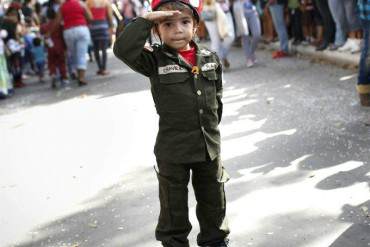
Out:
{"x": 322, "y": 47}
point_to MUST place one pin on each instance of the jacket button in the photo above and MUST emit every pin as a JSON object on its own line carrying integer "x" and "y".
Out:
{"x": 199, "y": 92}
{"x": 201, "y": 111}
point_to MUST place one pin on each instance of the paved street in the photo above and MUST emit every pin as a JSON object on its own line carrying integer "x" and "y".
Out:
{"x": 76, "y": 165}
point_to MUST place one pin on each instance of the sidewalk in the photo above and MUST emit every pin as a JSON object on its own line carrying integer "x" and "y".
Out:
{"x": 344, "y": 59}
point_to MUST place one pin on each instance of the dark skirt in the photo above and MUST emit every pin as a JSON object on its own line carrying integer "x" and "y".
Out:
{"x": 99, "y": 30}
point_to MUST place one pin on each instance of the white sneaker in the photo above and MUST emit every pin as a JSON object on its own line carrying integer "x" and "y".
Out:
{"x": 356, "y": 46}
{"x": 347, "y": 46}
{"x": 250, "y": 63}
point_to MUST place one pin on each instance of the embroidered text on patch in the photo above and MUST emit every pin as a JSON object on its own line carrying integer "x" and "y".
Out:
{"x": 205, "y": 52}
{"x": 172, "y": 68}
{"x": 209, "y": 66}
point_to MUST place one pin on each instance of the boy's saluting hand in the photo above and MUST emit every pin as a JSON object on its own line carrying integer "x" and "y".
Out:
{"x": 160, "y": 15}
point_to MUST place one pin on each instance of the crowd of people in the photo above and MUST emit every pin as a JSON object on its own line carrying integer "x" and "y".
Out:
{"x": 60, "y": 33}
{"x": 341, "y": 25}
{"x": 57, "y": 36}
{"x": 325, "y": 24}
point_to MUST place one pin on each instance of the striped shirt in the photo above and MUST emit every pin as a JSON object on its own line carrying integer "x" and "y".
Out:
{"x": 364, "y": 7}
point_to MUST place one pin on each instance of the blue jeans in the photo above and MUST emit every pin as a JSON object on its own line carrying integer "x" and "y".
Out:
{"x": 364, "y": 67}
{"x": 40, "y": 67}
{"x": 277, "y": 13}
{"x": 337, "y": 11}
{"x": 77, "y": 40}
{"x": 250, "y": 42}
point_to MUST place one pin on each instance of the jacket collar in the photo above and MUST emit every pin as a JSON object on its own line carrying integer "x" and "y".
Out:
{"x": 174, "y": 55}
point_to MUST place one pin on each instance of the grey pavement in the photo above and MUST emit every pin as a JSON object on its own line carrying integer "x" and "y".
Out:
{"x": 76, "y": 165}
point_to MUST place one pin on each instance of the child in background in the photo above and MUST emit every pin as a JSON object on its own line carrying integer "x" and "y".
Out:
{"x": 14, "y": 41}
{"x": 28, "y": 63}
{"x": 307, "y": 8}
{"x": 56, "y": 48}
{"x": 6, "y": 87}
{"x": 186, "y": 86}
{"x": 38, "y": 53}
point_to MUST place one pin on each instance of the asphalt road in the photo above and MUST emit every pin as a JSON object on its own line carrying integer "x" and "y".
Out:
{"x": 76, "y": 165}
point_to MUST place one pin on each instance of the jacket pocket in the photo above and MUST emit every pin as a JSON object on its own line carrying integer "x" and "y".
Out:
{"x": 210, "y": 75}
{"x": 210, "y": 78}
{"x": 175, "y": 92}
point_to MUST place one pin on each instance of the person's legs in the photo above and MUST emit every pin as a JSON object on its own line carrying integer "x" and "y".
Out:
{"x": 363, "y": 84}
{"x": 296, "y": 17}
{"x": 318, "y": 26}
{"x": 246, "y": 44}
{"x": 268, "y": 29}
{"x": 352, "y": 15}
{"x": 82, "y": 45}
{"x": 208, "y": 181}
{"x": 5, "y": 80}
{"x": 255, "y": 30}
{"x": 213, "y": 35}
{"x": 16, "y": 69}
{"x": 329, "y": 25}
{"x": 71, "y": 41}
{"x": 62, "y": 65}
{"x": 104, "y": 47}
{"x": 52, "y": 66}
{"x": 338, "y": 12}
{"x": 227, "y": 42}
{"x": 52, "y": 62}
{"x": 40, "y": 70}
{"x": 173, "y": 225}
{"x": 97, "y": 48}
{"x": 354, "y": 24}
{"x": 277, "y": 13}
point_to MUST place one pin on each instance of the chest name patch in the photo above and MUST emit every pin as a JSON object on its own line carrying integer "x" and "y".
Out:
{"x": 209, "y": 66}
{"x": 172, "y": 68}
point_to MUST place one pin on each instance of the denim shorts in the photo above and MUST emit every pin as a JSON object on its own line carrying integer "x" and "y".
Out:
{"x": 77, "y": 40}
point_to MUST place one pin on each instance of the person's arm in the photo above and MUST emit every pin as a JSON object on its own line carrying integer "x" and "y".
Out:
{"x": 219, "y": 90}
{"x": 129, "y": 45}
{"x": 87, "y": 12}
{"x": 56, "y": 24}
{"x": 110, "y": 17}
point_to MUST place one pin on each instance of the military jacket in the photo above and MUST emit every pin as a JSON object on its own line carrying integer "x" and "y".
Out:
{"x": 187, "y": 99}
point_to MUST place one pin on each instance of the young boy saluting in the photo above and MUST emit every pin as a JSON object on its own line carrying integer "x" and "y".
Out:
{"x": 186, "y": 84}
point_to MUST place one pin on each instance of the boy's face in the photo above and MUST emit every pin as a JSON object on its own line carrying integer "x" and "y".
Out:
{"x": 177, "y": 31}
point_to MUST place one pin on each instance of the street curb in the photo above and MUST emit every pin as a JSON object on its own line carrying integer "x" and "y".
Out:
{"x": 343, "y": 59}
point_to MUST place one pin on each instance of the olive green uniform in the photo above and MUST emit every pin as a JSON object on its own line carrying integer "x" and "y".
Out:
{"x": 188, "y": 102}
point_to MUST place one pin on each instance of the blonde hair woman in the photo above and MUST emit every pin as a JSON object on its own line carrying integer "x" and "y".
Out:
{"x": 101, "y": 31}
{"x": 218, "y": 21}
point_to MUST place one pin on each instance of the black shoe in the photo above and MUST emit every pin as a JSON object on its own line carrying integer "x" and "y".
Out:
{"x": 82, "y": 83}
{"x": 322, "y": 47}
{"x": 224, "y": 243}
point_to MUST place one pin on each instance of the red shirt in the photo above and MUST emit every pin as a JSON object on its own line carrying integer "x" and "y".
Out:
{"x": 99, "y": 13}
{"x": 73, "y": 14}
{"x": 56, "y": 35}
{"x": 189, "y": 56}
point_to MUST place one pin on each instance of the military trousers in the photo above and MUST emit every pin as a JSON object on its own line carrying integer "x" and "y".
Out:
{"x": 208, "y": 180}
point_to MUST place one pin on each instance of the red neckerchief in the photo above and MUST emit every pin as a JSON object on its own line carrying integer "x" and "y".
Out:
{"x": 189, "y": 56}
